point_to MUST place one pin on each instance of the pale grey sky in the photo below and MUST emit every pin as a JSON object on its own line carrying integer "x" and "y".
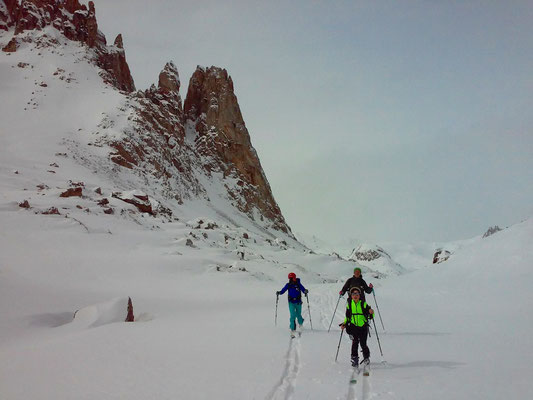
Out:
{"x": 377, "y": 120}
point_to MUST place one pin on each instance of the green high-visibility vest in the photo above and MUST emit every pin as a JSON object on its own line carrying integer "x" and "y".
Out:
{"x": 357, "y": 317}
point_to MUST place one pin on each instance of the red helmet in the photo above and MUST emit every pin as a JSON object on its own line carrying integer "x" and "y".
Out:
{"x": 292, "y": 275}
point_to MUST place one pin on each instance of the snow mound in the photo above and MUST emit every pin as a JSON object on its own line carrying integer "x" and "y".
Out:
{"x": 115, "y": 310}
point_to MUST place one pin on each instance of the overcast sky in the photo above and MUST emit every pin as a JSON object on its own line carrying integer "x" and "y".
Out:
{"x": 375, "y": 120}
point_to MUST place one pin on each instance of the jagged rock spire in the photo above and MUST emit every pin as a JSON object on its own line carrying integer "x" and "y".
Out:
{"x": 169, "y": 80}
{"x": 211, "y": 107}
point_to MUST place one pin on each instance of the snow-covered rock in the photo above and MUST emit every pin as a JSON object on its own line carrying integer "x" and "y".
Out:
{"x": 441, "y": 255}
{"x": 491, "y": 231}
{"x": 115, "y": 310}
{"x": 375, "y": 258}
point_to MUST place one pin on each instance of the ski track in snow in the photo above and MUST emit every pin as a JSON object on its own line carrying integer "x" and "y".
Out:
{"x": 363, "y": 382}
{"x": 366, "y": 388}
{"x": 352, "y": 395}
{"x": 286, "y": 385}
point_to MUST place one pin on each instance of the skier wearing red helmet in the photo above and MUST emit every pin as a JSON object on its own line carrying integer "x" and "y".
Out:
{"x": 294, "y": 295}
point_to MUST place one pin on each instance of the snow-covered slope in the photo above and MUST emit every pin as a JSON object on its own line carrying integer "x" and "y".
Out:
{"x": 205, "y": 318}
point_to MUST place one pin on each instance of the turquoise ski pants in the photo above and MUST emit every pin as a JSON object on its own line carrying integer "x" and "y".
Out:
{"x": 295, "y": 310}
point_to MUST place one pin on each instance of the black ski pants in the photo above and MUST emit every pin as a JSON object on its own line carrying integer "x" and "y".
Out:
{"x": 358, "y": 334}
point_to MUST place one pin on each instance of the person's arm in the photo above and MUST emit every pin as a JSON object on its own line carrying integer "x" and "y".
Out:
{"x": 345, "y": 287}
{"x": 284, "y": 289}
{"x": 302, "y": 288}
{"x": 368, "y": 311}
{"x": 366, "y": 288}
{"x": 347, "y": 314}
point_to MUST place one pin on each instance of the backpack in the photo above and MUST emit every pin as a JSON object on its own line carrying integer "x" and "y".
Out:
{"x": 296, "y": 285}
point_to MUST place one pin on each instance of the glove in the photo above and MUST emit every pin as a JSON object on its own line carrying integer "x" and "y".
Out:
{"x": 370, "y": 286}
{"x": 277, "y": 293}
{"x": 340, "y": 293}
{"x": 306, "y": 291}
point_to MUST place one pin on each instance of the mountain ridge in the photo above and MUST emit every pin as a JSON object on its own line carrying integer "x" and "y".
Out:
{"x": 145, "y": 135}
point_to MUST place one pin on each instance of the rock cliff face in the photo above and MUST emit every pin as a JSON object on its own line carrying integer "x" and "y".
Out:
{"x": 155, "y": 140}
{"x": 213, "y": 113}
{"x": 76, "y": 22}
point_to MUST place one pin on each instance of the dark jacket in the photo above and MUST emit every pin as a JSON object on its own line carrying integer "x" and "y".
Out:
{"x": 295, "y": 291}
{"x": 356, "y": 282}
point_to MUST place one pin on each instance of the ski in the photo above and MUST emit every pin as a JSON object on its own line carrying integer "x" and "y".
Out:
{"x": 355, "y": 374}
{"x": 366, "y": 370}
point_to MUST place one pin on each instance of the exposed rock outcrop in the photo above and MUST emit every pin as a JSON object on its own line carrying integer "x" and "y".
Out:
{"x": 76, "y": 22}
{"x": 491, "y": 231}
{"x": 137, "y": 198}
{"x": 441, "y": 255}
{"x": 130, "y": 317}
{"x": 72, "y": 192}
{"x": 24, "y": 204}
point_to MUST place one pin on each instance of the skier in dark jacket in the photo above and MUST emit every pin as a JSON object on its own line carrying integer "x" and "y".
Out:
{"x": 358, "y": 313}
{"x": 295, "y": 289}
{"x": 356, "y": 281}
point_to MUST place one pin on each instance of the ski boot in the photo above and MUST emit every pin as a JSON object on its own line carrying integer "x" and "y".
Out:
{"x": 355, "y": 362}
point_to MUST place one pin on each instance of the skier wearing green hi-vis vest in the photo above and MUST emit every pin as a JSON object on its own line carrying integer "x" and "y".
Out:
{"x": 358, "y": 313}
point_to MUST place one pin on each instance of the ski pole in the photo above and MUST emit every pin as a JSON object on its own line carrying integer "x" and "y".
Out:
{"x": 374, "y": 293}
{"x": 276, "y": 318}
{"x": 377, "y": 336}
{"x": 339, "y": 346}
{"x": 334, "y": 312}
{"x": 309, "y": 308}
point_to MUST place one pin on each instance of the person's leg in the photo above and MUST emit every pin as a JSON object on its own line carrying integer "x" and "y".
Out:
{"x": 299, "y": 313}
{"x": 292, "y": 316}
{"x": 352, "y": 331}
{"x": 364, "y": 347}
